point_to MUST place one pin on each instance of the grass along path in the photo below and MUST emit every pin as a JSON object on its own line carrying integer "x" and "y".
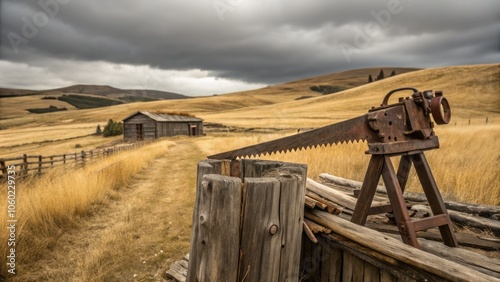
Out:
{"x": 135, "y": 235}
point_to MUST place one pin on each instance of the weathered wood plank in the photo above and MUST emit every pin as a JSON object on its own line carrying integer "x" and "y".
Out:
{"x": 476, "y": 222}
{"x": 386, "y": 276}
{"x": 315, "y": 203}
{"x": 334, "y": 264}
{"x": 400, "y": 270}
{"x": 204, "y": 167}
{"x": 219, "y": 220}
{"x": 315, "y": 228}
{"x": 372, "y": 273}
{"x": 292, "y": 179}
{"x": 310, "y": 203}
{"x": 261, "y": 232}
{"x": 465, "y": 239}
{"x": 395, "y": 249}
{"x": 490, "y": 266}
{"x": 331, "y": 207}
{"x": 172, "y": 274}
{"x": 310, "y": 234}
{"x": 331, "y": 194}
{"x": 347, "y": 182}
{"x": 348, "y": 267}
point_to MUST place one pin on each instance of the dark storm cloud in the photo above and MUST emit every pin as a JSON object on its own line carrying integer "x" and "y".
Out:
{"x": 266, "y": 41}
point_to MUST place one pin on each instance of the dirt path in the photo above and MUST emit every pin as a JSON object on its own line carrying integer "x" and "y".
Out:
{"x": 135, "y": 234}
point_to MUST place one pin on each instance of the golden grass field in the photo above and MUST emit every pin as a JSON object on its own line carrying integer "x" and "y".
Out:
{"x": 123, "y": 211}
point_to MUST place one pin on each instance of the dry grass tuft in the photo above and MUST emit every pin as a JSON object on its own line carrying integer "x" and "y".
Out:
{"x": 173, "y": 113}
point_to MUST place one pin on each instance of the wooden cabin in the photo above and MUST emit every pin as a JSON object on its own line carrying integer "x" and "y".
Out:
{"x": 145, "y": 125}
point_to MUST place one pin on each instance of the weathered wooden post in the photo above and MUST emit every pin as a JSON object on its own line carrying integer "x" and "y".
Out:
{"x": 24, "y": 167}
{"x": 40, "y": 158}
{"x": 83, "y": 158}
{"x": 3, "y": 167}
{"x": 247, "y": 228}
{"x": 64, "y": 159}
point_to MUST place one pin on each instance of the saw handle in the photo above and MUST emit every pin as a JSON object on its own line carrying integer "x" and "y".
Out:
{"x": 388, "y": 95}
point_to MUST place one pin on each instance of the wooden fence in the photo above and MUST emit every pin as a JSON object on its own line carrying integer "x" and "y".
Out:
{"x": 37, "y": 164}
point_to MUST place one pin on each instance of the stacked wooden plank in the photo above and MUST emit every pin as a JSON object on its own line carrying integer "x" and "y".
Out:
{"x": 178, "y": 270}
{"x": 481, "y": 217}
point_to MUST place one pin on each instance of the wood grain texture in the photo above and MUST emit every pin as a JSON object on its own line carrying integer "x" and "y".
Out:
{"x": 260, "y": 249}
{"x": 393, "y": 248}
{"x": 218, "y": 221}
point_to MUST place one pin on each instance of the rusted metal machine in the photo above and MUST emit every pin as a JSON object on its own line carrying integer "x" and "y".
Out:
{"x": 402, "y": 129}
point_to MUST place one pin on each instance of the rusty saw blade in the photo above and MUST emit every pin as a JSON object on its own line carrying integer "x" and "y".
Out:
{"x": 356, "y": 129}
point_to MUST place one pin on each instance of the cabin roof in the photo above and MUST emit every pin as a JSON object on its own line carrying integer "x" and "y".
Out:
{"x": 166, "y": 118}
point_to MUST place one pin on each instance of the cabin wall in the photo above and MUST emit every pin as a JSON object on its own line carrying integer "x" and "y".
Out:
{"x": 179, "y": 128}
{"x": 130, "y": 129}
{"x": 142, "y": 127}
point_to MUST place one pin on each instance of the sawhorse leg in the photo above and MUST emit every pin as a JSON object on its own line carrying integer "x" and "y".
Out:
{"x": 435, "y": 200}
{"x": 395, "y": 185}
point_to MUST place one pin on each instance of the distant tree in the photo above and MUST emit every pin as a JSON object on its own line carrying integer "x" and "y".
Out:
{"x": 98, "y": 130}
{"x": 381, "y": 75}
{"x": 327, "y": 89}
{"x": 370, "y": 78}
{"x": 393, "y": 73}
{"x": 113, "y": 128}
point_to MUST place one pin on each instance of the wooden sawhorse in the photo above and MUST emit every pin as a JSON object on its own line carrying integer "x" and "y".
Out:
{"x": 381, "y": 165}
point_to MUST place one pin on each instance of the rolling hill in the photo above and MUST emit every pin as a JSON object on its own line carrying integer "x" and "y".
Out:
{"x": 472, "y": 91}
{"x": 18, "y": 102}
{"x": 99, "y": 90}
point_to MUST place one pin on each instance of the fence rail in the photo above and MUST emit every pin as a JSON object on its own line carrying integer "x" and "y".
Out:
{"x": 26, "y": 164}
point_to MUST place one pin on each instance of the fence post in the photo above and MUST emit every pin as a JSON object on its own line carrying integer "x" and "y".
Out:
{"x": 51, "y": 160}
{"x": 486, "y": 120}
{"x": 24, "y": 166}
{"x": 76, "y": 159}
{"x": 64, "y": 159}
{"x": 270, "y": 215}
{"x": 39, "y": 164}
{"x": 3, "y": 167}
{"x": 83, "y": 158}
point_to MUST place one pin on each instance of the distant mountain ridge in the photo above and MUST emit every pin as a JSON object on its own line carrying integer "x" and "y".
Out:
{"x": 99, "y": 90}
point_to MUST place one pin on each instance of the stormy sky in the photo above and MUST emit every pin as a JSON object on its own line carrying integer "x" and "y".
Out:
{"x": 204, "y": 47}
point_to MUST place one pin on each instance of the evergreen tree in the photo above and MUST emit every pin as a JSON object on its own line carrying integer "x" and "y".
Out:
{"x": 370, "y": 78}
{"x": 393, "y": 73}
{"x": 113, "y": 128}
{"x": 98, "y": 130}
{"x": 381, "y": 75}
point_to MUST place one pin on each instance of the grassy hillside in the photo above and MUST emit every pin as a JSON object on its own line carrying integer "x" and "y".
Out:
{"x": 86, "y": 102}
{"x": 266, "y": 96}
{"x": 15, "y": 103}
{"x": 473, "y": 92}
